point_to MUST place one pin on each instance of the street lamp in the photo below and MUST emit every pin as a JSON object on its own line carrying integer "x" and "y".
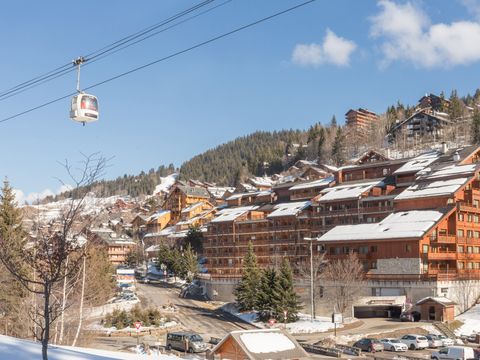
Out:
{"x": 311, "y": 273}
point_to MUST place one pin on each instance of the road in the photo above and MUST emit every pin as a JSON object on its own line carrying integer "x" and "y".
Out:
{"x": 193, "y": 315}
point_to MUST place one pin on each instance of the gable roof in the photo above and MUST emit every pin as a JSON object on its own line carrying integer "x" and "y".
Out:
{"x": 289, "y": 209}
{"x": 438, "y": 299}
{"x": 347, "y": 191}
{"x": 313, "y": 184}
{"x": 418, "y": 163}
{"x": 194, "y": 191}
{"x": 230, "y": 214}
{"x": 265, "y": 344}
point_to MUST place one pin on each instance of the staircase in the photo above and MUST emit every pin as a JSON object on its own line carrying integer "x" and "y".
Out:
{"x": 444, "y": 329}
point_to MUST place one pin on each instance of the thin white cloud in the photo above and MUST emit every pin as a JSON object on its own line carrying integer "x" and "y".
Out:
{"x": 334, "y": 50}
{"x": 33, "y": 197}
{"x": 473, "y": 6}
{"x": 408, "y": 35}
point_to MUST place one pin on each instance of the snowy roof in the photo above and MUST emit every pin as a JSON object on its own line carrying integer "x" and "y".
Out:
{"x": 263, "y": 344}
{"x": 439, "y": 299}
{"x": 165, "y": 232}
{"x": 218, "y": 192}
{"x": 254, "y": 194}
{"x": 348, "y": 191}
{"x": 418, "y": 163}
{"x": 432, "y": 188}
{"x": 399, "y": 225}
{"x": 261, "y": 181}
{"x": 451, "y": 171}
{"x": 192, "y": 207}
{"x": 330, "y": 167}
{"x": 158, "y": 215}
{"x": 313, "y": 184}
{"x": 289, "y": 209}
{"x": 248, "y": 187}
{"x": 230, "y": 214}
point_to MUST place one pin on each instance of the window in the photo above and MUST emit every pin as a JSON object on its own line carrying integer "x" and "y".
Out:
{"x": 475, "y": 218}
{"x": 476, "y": 234}
{"x": 408, "y": 248}
{"x": 469, "y": 218}
{"x": 469, "y": 249}
{"x": 476, "y": 203}
{"x": 461, "y": 265}
{"x": 469, "y": 265}
{"x": 469, "y": 233}
{"x": 476, "y": 266}
{"x": 460, "y": 233}
{"x": 374, "y": 248}
{"x": 460, "y": 249}
{"x": 338, "y": 250}
{"x": 425, "y": 249}
{"x": 476, "y": 250}
{"x": 363, "y": 250}
{"x": 460, "y": 217}
{"x": 346, "y": 250}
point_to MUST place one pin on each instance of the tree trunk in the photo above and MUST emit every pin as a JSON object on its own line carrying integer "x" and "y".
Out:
{"x": 64, "y": 302}
{"x": 81, "y": 302}
{"x": 46, "y": 315}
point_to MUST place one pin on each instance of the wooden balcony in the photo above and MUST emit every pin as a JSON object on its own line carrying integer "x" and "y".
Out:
{"x": 444, "y": 239}
{"x": 356, "y": 211}
{"x": 468, "y": 207}
{"x": 444, "y": 255}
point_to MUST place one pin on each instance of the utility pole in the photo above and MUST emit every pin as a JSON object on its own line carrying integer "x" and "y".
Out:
{"x": 312, "y": 310}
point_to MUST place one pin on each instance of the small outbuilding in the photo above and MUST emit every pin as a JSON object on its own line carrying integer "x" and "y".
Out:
{"x": 261, "y": 344}
{"x": 436, "y": 309}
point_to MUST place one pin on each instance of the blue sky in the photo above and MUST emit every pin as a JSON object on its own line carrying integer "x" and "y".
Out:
{"x": 290, "y": 72}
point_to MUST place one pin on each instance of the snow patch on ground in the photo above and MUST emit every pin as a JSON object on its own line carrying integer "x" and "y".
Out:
{"x": 471, "y": 321}
{"x": 12, "y": 348}
{"x": 103, "y": 310}
{"x": 165, "y": 183}
{"x": 305, "y": 325}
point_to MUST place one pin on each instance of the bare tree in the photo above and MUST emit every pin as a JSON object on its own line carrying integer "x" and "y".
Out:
{"x": 344, "y": 281}
{"x": 39, "y": 262}
{"x": 305, "y": 271}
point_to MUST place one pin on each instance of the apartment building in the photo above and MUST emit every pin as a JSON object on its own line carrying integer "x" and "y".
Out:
{"x": 360, "y": 120}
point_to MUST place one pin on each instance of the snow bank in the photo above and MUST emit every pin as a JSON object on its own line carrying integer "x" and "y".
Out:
{"x": 108, "y": 308}
{"x": 304, "y": 325}
{"x": 471, "y": 321}
{"x": 165, "y": 183}
{"x": 12, "y": 348}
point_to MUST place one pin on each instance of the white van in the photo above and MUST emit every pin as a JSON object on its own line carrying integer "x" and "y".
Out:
{"x": 454, "y": 353}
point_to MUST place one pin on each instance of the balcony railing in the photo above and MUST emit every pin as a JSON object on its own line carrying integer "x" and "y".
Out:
{"x": 444, "y": 239}
{"x": 355, "y": 211}
{"x": 443, "y": 255}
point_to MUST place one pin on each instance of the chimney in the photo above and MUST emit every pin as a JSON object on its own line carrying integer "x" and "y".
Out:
{"x": 444, "y": 147}
{"x": 456, "y": 156}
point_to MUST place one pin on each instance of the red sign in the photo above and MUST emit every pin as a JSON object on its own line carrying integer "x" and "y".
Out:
{"x": 138, "y": 325}
{"x": 271, "y": 322}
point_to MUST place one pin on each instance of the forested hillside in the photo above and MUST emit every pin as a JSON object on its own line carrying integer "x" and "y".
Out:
{"x": 258, "y": 153}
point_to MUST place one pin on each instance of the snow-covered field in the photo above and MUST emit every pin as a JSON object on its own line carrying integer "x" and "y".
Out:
{"x": 12, "y": 348}
{"x": 304, "y": 325}
{"x": 471, "y": 321}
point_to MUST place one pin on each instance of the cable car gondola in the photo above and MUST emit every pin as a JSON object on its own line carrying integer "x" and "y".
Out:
{"x": 84, "y": 107}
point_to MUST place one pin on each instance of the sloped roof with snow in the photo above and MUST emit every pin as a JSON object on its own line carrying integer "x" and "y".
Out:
{"x": 451, "y": 171}
{"x": 230, "y": 214}
{"x": 157, "y": 215}
{"x": 348, "y": 191}
{"x": 418, "y": 163}
{"x": 436, "y": 188}
{"x": 263, "y": 344}
{"x": 288, "y": 209}
{"x": 399, "y": 225}
{"x": 313, "y": 184}
{"x": 192, "y": 207}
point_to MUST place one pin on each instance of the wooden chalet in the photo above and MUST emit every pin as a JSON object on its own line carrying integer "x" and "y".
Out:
{"x": 264, "y": 344}
{"x": 182, "y": 196}
{"x": 158, "y": 221}
{"x": 421, "y": 124}
{"x": 118, "y": 246}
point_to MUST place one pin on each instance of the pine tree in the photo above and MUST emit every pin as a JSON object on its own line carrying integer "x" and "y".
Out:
{"x": 12, "y": 292}
{"x": 195, "y": 239}
{"x": 190, "y": 263}
{"x": 338, "y": 148}
{"x": 321, "y": 145}
{"x": 246, "y": 293}
{"x": 289, "y": 300}
{"x": 476, "y": 126}
{"x": 269, "y": 294}
{"x": 456, "y": 107}
{"x": 333, "y": 122}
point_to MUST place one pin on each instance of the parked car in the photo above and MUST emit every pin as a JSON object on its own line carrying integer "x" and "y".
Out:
{"x": 185, "y": 341}
{"x": 410, "y": 316}
{"x": 454, "y": 353}
{"x": 415, "y": 342}
{"x": 446, "y": 341}
{"x": 434, "y": 341}
{"x": 371, "y": 345}
{"x": 393, "y": 345}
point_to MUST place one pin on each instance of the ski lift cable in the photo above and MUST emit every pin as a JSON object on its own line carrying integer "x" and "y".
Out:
{"x": 193, "y": 47}
{"x": 67, "y": 68}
